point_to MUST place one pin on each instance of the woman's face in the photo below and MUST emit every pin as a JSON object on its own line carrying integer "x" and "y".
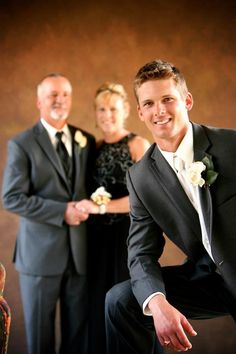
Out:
{"x": 111, "y": 112}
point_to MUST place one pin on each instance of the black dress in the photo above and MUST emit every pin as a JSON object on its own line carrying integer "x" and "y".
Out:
{"x": 107, "y": 237}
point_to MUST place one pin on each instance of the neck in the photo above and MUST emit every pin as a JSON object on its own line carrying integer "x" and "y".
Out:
{"x": 168, "y": 145}
{"x": 116, "y": 136}
{"x": 171, "y": 144}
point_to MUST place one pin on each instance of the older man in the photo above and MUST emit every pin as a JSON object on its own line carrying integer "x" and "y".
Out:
{"x": 47, "y": 171}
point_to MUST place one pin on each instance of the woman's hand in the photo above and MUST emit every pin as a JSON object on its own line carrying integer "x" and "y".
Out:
{"x": 87, "y": 206}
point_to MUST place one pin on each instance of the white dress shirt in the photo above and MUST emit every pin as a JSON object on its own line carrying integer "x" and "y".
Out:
{"x": 66, "y": 137}
{"x": 185, "y": 152}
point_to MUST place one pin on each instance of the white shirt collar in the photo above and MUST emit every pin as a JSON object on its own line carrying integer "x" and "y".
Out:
{"x": 66, "y": 138}
{"x": 52, "y": 131}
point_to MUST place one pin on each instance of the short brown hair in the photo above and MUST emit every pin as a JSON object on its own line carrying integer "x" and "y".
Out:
{"x": 160, "y": 70}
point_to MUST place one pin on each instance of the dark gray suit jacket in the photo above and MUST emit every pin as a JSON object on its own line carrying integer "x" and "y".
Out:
{"x": 159, "y": 204}
{"x": 35, "y": 187}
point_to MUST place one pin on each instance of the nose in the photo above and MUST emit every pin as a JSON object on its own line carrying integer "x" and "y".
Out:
{"x": 160, "y": 110}
{"x": 107, "y": 113}
{"x": 60, "y": 98}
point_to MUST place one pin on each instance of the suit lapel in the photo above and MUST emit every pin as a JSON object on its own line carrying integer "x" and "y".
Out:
{"x": 77, "y": 155}
{"x": 201, "y": 144}
{"x": 174, "y": 191}
{"x": 42, "y": 137}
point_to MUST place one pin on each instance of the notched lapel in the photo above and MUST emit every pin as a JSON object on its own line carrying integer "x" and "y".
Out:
{"x": 42, "y": 137}
{"x": 78, "y": 156}
{"x": 174, "y": 191}
{"x": 201, "y": 145}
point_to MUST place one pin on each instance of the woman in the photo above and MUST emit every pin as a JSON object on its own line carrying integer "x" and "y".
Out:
{"x": 116, "y": 152}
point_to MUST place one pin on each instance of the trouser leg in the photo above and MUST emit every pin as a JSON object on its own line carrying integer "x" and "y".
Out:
{"x": 74, "y": 313}
{"x": 197, "y": 298}
{"x": 39, "y": 298}
{"x": 127, "y": 329}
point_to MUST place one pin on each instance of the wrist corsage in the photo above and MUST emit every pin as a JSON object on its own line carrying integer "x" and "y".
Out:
{"x": 101, "y": 197}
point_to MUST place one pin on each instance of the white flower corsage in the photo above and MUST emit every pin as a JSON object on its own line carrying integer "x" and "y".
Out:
{"x": 101, "y": 196}
{"x": 201, "y": 173}
{"x": 80, "y": 139}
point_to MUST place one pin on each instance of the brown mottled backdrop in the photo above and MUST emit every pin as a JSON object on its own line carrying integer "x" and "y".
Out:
{"x": 91, "y": 42}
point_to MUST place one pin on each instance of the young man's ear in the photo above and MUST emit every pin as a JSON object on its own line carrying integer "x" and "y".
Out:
{"x": 140, "y": 113}
{"x": 189, "y": 101}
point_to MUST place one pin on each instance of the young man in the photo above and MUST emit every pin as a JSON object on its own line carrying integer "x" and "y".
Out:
{"x": 47, "y": 170}
{"x": 184, "y": 187}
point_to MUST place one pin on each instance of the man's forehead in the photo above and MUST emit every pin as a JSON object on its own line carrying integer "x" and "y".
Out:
{"x": 56, "y": 84}
{"x": 156, "y": 88}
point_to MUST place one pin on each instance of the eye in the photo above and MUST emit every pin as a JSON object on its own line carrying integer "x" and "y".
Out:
{"x": 101, "y": 109}
{"x": 147, "y": 104}
{"x": 54, "y": 95}
{"x": 168, "y": 99}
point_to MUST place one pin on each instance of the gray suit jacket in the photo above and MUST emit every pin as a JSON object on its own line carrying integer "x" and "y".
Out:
{"x": 35, "y": 187}
{"x": 159, "y": 204}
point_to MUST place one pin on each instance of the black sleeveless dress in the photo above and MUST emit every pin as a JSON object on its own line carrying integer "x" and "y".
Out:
{"x": 107, "y": 236}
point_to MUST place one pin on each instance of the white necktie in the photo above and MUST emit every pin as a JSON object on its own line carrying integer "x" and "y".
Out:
{"x": 193, "y": 195}
{"x": 179, "y": 166}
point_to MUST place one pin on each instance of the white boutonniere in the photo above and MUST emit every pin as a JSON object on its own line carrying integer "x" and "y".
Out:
{"x": 80, "y": 139}
{"x": 101, "y": 196}
{"x": 201, "y": 173}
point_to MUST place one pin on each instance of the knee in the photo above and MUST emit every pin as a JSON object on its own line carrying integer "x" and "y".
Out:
{"x": 112, "y": 297}
{"x": 118, "y": 298}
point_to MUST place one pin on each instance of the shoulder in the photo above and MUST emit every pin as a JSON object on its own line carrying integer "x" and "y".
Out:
{"x": 219, "y": 131}
{"x": 138, "y": 146}
{"x": 25, "y": 136}
{"x": 216, "y": 132}
{"x": 220, "y": 137}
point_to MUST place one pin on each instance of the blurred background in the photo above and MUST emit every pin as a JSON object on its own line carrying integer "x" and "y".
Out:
{"x": 92, "y": 42}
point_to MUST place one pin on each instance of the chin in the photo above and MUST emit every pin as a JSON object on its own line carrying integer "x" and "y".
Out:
{"x": 59, "y": 117}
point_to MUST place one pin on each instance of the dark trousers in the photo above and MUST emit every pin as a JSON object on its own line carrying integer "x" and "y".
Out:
{"x": 129, "y": 331}
{"x": 40, "y": 296}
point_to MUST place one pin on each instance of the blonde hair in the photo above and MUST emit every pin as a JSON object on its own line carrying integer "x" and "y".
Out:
{"x": 112, "y": 88}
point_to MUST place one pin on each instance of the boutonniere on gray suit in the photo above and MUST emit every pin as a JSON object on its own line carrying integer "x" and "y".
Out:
{"x": 201, "y": 173}
{"x": 80, "y": 139}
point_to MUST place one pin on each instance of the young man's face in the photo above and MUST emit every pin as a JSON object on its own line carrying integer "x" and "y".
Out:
{"x": 164, "y": 110}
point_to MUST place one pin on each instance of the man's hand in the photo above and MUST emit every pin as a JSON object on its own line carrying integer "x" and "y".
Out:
{"x": 87, "y": 206}
{"x": 171, "y": 326}
{"x": 74, "y": 215}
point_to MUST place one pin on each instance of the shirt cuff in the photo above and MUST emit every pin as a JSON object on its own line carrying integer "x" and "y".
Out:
{"x": 146, "y": 310}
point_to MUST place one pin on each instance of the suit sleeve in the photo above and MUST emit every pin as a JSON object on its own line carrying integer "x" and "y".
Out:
{"x": 145, "y": 246}
{"x": 18, "y": 193}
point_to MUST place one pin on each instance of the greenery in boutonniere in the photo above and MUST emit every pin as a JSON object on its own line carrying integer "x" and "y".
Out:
{"x": 201, "y": 173}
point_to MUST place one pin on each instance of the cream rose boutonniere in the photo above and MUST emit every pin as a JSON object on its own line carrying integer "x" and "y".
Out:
{"x": 201, "y": 173}
{"x": 80, "y": 139}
